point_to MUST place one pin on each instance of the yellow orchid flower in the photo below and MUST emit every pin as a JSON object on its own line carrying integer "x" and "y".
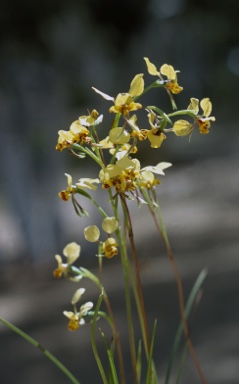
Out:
{"x": 109, "y": 248}
{"x": 72, "y": 253}
{"x": 65, "y": 194}
{"x": 121, "y": 175}
{"x": 77, "y": 317}
{"x": 202, "y": 120}
{"x": 124, "y": 102}
{"x": 77, "y": 133}
{"x": 148, "y": 180}
{"x": 166, "y": 70}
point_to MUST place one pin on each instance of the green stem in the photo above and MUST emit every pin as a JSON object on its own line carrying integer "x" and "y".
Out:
{"x": 137, "y": 273}
{"x": 183, "y": 112}
{"x": 88, "y": 152}
{"x": 86, "y": 273}
{"x": 45, "y": 352}
{"x": 155, "y": 84}
{"x": 125, "y": 267}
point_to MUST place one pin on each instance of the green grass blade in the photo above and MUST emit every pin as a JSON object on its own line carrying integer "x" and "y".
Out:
{"x": 113, "y": 373}
{"x": 189, "y": 305}
{"x": 93, "y": 343}
{"x": 45, "y": 352}
{"x": 150, "y": 374}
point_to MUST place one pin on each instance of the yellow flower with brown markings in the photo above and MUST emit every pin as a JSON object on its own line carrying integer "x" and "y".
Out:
{"x": 109, "y": 248}
{"x": 77, "y": 133}
{"x": 71, "y": 253}
{"x": 77, "y": 317}
{"x": 204, "y": 121}
{"x": 166, "y": 70}
{"x": 124, "y": 102}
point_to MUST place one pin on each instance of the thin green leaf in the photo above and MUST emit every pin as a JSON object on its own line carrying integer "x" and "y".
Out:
{"x": 113, "y": 373}
{"x": 181, "y": 363}
{"x": 189, "y": 305}
{"x": 150, "y": 371}
{"x": 93, "y": 342}
{"x": 45, "y": 352}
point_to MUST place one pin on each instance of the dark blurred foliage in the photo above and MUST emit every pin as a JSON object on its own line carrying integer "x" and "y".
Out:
{"x": 52, "y": 52}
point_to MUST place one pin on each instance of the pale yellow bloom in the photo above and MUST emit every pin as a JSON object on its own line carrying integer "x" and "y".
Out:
{"x": 91, "y": 119}
{"x": 124, "y": 102}
{"x": 77, "y": 133}
{"x": 65, "y": 140}
{"x": 148, "y": 180}
{"x": 77, "y": 317}
{"x": 109, "y": 247}
{"x": 72, "y": 253}
{"x": 121, "y": 175}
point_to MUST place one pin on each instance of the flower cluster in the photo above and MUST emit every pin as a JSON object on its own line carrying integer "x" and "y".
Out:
{"x": 122, "y": 177}
{"x": 123, "y": 173}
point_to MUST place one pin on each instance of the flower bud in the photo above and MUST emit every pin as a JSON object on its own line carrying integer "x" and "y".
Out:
{"x": 182, "y": 128}
{"x": 110, "y": 224}
{"x": 92, "y": 233}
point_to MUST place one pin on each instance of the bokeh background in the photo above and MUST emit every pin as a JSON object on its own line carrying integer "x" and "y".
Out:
{"x": 52, "y": 53}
